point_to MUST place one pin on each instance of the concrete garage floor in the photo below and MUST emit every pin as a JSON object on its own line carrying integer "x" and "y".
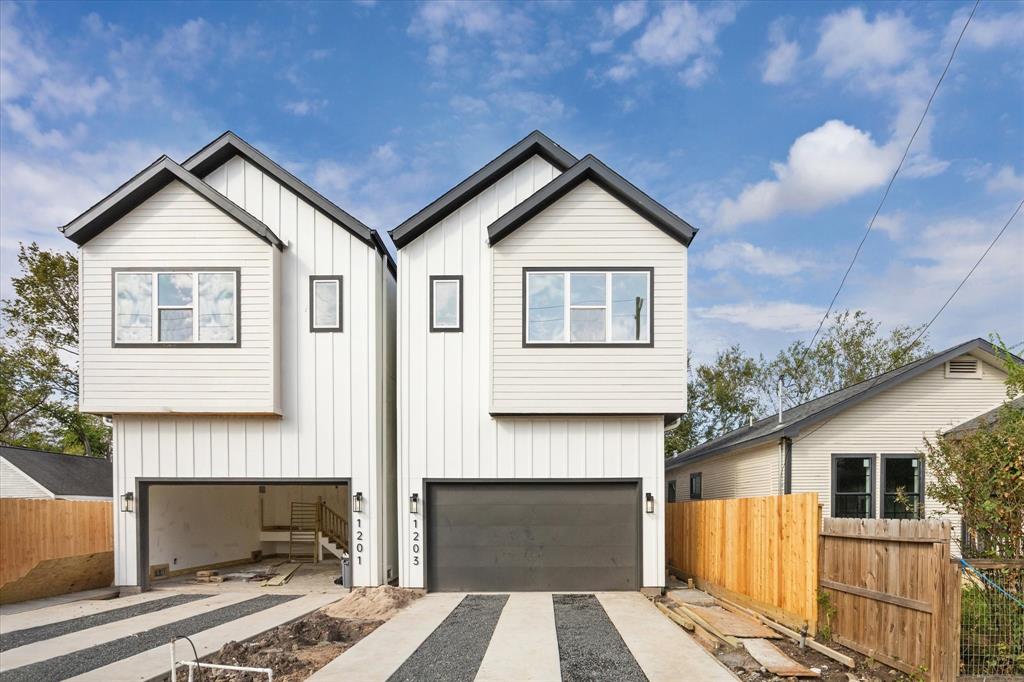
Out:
{"x": 309, "y": 579}
{"x": 613, "y": 636}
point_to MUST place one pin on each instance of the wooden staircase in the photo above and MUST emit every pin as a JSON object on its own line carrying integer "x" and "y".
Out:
{"x": 313, "y": 527}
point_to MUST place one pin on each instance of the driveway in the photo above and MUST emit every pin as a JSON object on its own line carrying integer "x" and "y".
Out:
{"x": 451, "y": 637}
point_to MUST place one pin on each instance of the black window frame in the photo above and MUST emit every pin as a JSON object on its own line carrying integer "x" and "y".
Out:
{"x": 430, "y": 295}
{"x": 699, "y": 478}
{"x": 670, "y": 491}
{"x": 885, "y": 457}
{"x": 313, "y": 279}
{"x": 872, "y": 504}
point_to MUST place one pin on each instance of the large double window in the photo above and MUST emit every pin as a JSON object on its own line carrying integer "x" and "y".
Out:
{"x": 172, "y": 307}
{"x": 588, "y": 306}
{"x": 853, "y": 486}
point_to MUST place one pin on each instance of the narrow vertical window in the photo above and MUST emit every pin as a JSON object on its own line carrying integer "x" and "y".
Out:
{"x": 853, "y": 486}
{"x": 696, "y": 486}
{"x": 902, "y": 484}
{"x": 670, "y": 495}
{"x": 446, "y": 303}
{"x": 175, "y": 309}
{"x": 133, "y": 319}
{"x": 325, "y": 307}
{"x": 218, "y": 300}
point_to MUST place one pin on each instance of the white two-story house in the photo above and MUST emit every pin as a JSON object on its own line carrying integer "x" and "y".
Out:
{"x": 542, "y": 348}
{"x": 239, "y": 328}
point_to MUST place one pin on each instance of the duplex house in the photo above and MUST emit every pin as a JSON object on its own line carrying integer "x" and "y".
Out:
{"x": 239, "y": 329}
{"x": 542, "y": 349}
{"x": 858, "y": 448}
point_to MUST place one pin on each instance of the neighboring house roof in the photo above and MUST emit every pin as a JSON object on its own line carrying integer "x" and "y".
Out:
{"x": 229, "y": 144}
{"x": 63, "y": 475}
{"x": 145, "y": 184}
{"x": 591, "y": 168}
{"x": 534, "y": 144}
{"x": 797, "y": 418}
{"x": 983, "y": 420}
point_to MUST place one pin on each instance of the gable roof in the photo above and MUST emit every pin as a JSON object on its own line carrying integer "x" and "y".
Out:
{"x": 591, "y": 168}
{"x": 796, "y": 418}
{"x": 984, "y": 420}
{"x": 534, "y": 144}
{"x": 145, "y": 184}
{"x": 63, "y": 474}
{"x": 228, "y": 145}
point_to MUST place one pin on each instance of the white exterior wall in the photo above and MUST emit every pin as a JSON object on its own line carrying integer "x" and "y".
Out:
{"x": 334, "y": 420}
{"x": 747, "y": 473}
{"x": 445, "y": 429}
{"x": 588, "y": 227}
{"x": 178, "y": 228}
{"x": 15, "y": 483}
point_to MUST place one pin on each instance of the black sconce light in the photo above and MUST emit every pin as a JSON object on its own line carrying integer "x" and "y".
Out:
{"x": 414, "y": 503}
{"x": 649, "y": 505}
{"x": 357, "y": 502}
{"x": 128, "y": 503}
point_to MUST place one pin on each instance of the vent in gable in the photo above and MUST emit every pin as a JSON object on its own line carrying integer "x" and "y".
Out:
{"x": 963, "y": 368}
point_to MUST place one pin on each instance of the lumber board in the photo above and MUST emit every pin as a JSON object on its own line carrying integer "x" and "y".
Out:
{"x": 772, "y": 658}
{"x": 697, "y": 619}
{"x": 680, "y": 620}
{"x": 283, "y": 577}
{"x": 732, "y": 624}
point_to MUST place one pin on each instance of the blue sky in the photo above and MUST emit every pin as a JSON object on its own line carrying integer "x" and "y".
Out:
{"x": 773, "y": 127}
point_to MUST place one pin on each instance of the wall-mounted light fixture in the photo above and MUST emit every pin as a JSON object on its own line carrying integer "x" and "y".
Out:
{"x": 128, "y": 503}
{"x": 649, "y": 505}
{"x": 357, "y": 502}
{"x": 414, "y": 503}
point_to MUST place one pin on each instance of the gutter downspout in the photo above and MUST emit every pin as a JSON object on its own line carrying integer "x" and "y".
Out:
{"x": 787, "y": 465}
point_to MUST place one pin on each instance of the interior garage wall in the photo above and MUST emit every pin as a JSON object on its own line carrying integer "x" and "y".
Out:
{"x": 278, "y": 499}
{"x": 198, "y": 525}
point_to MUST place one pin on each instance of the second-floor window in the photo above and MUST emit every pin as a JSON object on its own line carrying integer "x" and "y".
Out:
{"x": 325, "y": 310}
{"x": 446, "y": 303}
{"x": 174, "y": 307}
{"x": 588, "y": 306}
{"x": 696, "y": 486}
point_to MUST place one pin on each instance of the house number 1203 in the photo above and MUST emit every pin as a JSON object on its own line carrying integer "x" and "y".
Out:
{"x": 415, "y": 542}
{"x": 359, "y": 542}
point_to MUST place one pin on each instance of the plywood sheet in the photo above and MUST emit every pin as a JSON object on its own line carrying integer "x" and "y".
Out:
{"x": 733, "y": 624}
{"x": 769, "y": 655}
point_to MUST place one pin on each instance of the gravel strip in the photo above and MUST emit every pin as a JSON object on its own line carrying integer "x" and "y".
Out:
{"x": 78, "y": 662}
{"x": 589, "y": 646}
{"x": 453, "y": 651}
{"x": 13, "y": 640}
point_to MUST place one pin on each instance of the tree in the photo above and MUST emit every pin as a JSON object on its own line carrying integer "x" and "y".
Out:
{"x": 39, "y": 385}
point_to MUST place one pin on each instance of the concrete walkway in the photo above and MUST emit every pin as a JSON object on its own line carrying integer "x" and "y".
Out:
{"x": 524, "y": 646}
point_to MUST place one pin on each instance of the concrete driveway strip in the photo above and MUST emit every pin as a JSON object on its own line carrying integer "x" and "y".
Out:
{"x": 11, "y": 622}
{"x": 376, "y": 657}
{"x": 155, "y": 663}
{"x": 86, "y": 638}
{"x": 524, "y": 646}
{"x": 661, "y": 648}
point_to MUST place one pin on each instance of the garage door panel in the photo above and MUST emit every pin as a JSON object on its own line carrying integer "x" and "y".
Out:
{"x": 533, "y": 536}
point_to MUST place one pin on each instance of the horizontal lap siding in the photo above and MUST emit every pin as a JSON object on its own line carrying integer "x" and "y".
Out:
{"x": 178, "y": 228}
{"x": 893, "y": 422}
{"x": 589, "y": 228}
{"x": 748, "y": 473}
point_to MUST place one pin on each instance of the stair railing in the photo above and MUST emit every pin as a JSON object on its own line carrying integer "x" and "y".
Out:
{"x": 333, "y": 525}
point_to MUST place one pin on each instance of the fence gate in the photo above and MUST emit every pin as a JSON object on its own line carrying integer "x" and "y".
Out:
{"x": 895, "y": 592}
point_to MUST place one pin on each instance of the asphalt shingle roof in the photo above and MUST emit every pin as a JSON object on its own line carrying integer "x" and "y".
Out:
{"x": 987, "y": 419}
{"x": 63, "y": 474}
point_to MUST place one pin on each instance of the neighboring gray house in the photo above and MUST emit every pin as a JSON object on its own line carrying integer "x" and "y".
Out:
{"x": 856, "y": 447}
{"x": 38, "y": 474}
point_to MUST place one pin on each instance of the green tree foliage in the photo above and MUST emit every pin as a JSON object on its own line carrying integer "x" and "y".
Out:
{"x": 39, "y": 375}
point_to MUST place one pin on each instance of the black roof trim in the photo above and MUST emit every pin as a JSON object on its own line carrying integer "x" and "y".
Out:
{"x": 145, "y": 184}
{"x": 63, "y": 474}
{"x": 536, "y": 143}
{"x": 797, "y": 418}
{"x": 229, "y": 144}
{"x": 591, "y": 168}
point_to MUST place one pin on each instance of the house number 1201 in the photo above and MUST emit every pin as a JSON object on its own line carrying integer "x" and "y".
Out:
{"x": 359, "y": 542}
{"x": 415, "y": 542}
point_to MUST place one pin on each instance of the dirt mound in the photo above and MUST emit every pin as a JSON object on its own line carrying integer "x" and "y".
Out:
{"x": 293, "y": 651}
{"x": 374, "y": 603}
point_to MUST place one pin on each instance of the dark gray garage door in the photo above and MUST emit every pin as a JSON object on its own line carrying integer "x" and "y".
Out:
{"x": 533, "y": 536}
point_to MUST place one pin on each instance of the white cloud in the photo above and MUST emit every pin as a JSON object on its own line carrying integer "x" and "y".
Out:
{"x": 304, "y": 107}
{"x": 20, "y": 64}
{"x": 825, "y": 166}
{"x": 892, "y": 224}
{"x": 626, "y": 16}
{"x": 67, "y": 97}
{"x": 781, "y": 316}
{"x": 1006, "y": 180}
{"x": 533, "y": 107}
{"x": 780, "y": 61}
{"x": 852, "y": 44}
{"x": 24, "y": 122}
{"x": 331, "y": 176}
{"x": 437, "y": 17}
{"x": 469, "y": 106}
{"x": 602, "y": 46}
{"x": 753, "y": 259}
{"x": 697, "y": 72}
{"x": 987, "y": 32}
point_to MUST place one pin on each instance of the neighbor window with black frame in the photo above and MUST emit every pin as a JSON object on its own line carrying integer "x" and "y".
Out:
{"x": 695, "y": 486}
{"x": 853, "y": 486}
{"x": 325, "y": 303}
{"x": 902, "y": 483}
{"x": 446, "y": 303}
{"x": 670, "y": 495}
{"x": 176, "y": 307}
{"x": 587, "y": 306}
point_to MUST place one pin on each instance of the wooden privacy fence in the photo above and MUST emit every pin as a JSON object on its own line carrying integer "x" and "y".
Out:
{"x": 895, "y": 592}
{"x": 50, "y": 547}
{"x": 761, "y": 552}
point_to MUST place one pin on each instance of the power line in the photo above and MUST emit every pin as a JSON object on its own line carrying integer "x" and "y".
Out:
{"x": 888, "y": 187}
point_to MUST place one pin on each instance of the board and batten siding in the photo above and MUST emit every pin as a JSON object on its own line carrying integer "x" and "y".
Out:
{"x": 337, "y": 389}
{"x": 445, "y": 429}
{"x": 589, "y": 227}
{"x": 177, "y": 228}
{"x": 752, "y": 472}
{"x": 895, "y": 422}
